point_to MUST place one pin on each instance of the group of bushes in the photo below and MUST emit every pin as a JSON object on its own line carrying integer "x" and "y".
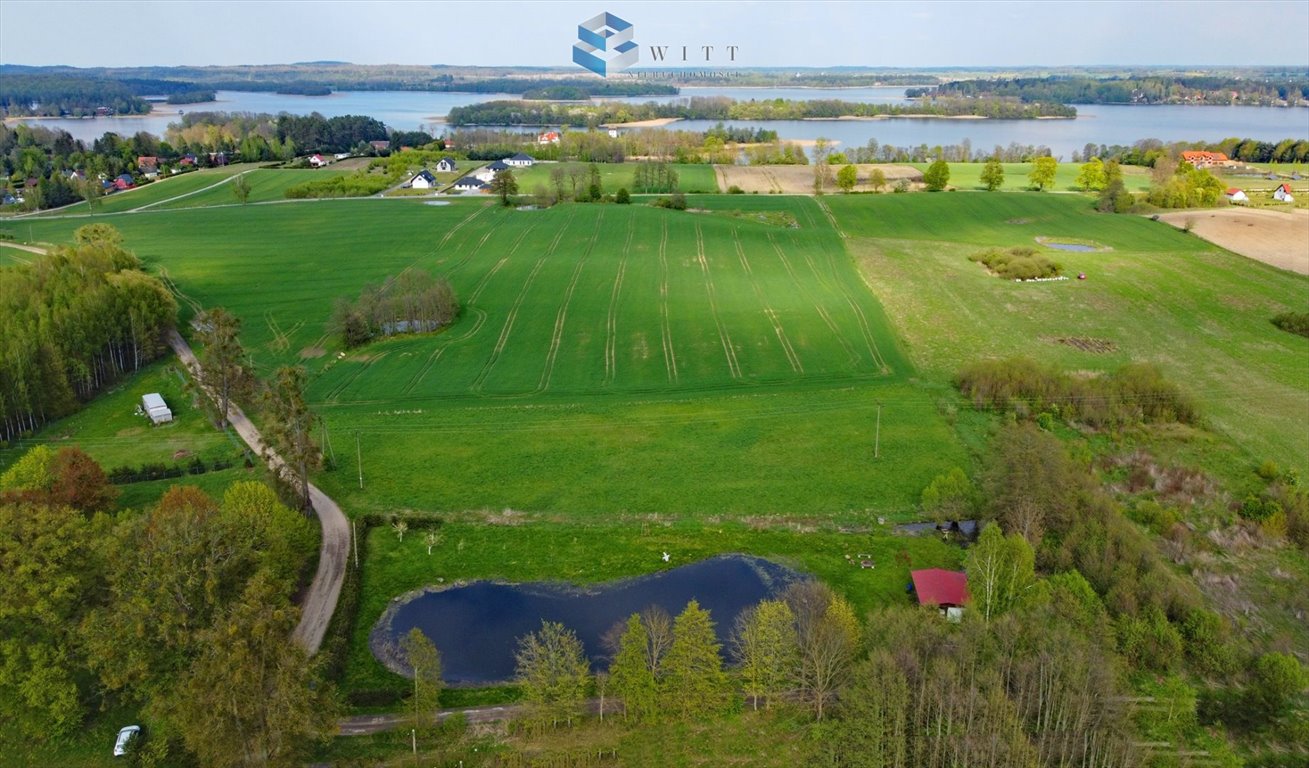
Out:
{"x": 125, "y": 475}
{"x": 357, "y": 184}
{"x": 1017, "y": 263}
{"x": 1135, "y": 393}
{"x": 1293, "y": 322}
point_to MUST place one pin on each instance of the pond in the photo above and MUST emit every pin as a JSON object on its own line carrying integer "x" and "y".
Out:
{"x": 1078, "y": 247}
{"x": 476, "y": 626}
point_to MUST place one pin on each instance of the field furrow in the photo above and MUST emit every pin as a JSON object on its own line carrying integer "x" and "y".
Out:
{"x": 729, "y": 352}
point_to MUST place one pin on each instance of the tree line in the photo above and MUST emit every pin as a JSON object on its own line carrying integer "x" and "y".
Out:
{"x": 64, "y": 95}
{"x": 73, "y": 322}
{"x": 1146, "y": 151}
{"x": 1161, "y": 89}
{"x": 721, "y": 108}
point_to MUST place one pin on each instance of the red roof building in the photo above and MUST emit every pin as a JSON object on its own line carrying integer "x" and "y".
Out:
{"x": 935, "y": 586}
{"x": 1204, "y": 159}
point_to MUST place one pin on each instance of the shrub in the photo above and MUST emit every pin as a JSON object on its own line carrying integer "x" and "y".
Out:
{"x": 735, "y": 190}
{"x": 1017, "y": 263}
{"x": 623, "y": 197}
{"x": 675, "y": 201}
{"x": 1293, "y": 322}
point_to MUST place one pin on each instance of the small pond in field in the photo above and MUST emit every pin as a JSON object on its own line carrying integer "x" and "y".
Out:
{"x": 476, "y": 626}
{"x": 1078, "y": 247}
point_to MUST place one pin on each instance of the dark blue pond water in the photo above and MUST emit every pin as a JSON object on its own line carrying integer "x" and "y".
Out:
{"x": 476, "y": 627}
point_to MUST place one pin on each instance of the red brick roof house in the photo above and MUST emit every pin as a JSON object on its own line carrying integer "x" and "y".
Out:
{"x": 1205, "y": 159}
{"x": 939, "y": 587}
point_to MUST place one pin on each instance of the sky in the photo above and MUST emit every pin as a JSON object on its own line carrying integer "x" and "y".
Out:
{"x": 818, "y": 33}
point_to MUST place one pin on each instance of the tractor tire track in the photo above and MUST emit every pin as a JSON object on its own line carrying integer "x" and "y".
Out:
{"x": 782, "y": 339}
{"x": 818, "y": 305}
{"x": 561, "y": 317}
{"x": 665, "y": 327}
{"x": 611, "y": 326}
{"x": 733, "y": 366}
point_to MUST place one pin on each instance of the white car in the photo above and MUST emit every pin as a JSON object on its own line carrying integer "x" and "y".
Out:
{"x": 125, "y": 738}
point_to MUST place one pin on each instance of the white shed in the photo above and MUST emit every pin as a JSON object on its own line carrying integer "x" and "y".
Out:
{"x": 156, "y": 408}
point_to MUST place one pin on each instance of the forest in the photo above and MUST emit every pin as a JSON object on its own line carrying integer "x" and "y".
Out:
{"x": 73, "y": 322}
{"x": 1174, "y": 89}
{"x": 721, "y": 108}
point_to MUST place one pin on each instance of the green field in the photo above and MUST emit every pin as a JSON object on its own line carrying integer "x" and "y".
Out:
{"x": 1160, "y": 295}
{"x": 266, "y": 185}
{"x": 150, "y": 194}
{"x": 610, "y": 358}
{"x": 690, "y": 178}
{"x": 969, "y": 176}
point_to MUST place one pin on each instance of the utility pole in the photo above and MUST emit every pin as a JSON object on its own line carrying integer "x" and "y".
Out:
{"x": 354, "y": 539}
{"x": 877, "y": 438}
{"x": 359, "y": 460}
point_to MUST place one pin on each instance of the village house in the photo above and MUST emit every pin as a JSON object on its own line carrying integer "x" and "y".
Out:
{"x": 549, "y": 137}
{"x": 470, "y": 184}
{"x": 946, "y": 590}
{"x": 423, "y": 180}
{"x": 1236, "y": 195}
{"x": 123, "y": 182}
{"x": 318, "y": 161}
{"x": 378, "y": 146}
{"x": 487, "y": 173}
{"x": 1201, "y": 159}
{"x": 148, "y": 166}
{"x": 520, "y": 161}
{"x": 1283, "y": 194}
{"x": 445, "y": 165}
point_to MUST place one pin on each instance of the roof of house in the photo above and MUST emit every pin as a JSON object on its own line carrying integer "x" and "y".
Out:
{"x": 470, "y": 181}
{"x": 1195, "y": 154}
{"x": 380, "y": 144}
{"x": 446, "y": 162}
{"x": 520, "y": 156}
{"x": 147, "y": 160}
{"x": 126, "y": 177}
{"x": 498, "y": 165}
{"x": 1285, "y": 188}
{"x": 425, "y": 175}
{"x": 1233, "y": 191}
{"x": 935, "y": 586}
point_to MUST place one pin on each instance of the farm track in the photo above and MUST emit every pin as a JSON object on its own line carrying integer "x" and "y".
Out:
{"x": 818, "y": 305}
{"x": 837, "y": 288}
{"x": 782, "y": 339}
{"x": 548, "y": 372}
{"x": 334, "y": 395}
{"x": 724, "y": 337}
{"x": 148, "y": 206}
{"x": 480, "y": 381}
{"x": 611, "y": 325}
{"x": 666, "y": 328}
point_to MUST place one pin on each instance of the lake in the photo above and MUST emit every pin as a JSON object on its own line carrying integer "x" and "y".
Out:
{"x": 476, "y": 626}
{"x": 1095, "y": 123}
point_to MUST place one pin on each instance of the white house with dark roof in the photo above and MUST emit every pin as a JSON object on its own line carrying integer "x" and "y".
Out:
{"x": 519, "y": 160}
{"x": 423, "y": 180}
{"x": 445, "y": 165}
{"x": 487, "y": 173}
{"x": 470, "y": 184}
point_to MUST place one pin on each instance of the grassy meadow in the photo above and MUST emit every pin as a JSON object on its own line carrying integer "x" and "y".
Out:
{"x": 149, "y": 194}
{"x": 1199, "y": 312}
{"x": 690, "y": 178}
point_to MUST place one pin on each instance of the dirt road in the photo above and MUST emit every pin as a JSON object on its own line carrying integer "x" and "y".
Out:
{"x": 320, "y": 601}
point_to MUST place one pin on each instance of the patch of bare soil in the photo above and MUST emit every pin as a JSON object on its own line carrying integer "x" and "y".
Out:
{"x": 1273, "y": 237}
{"x": 308, "y": 353}
{"x": 799, "y": 179}
{"x": 1095, "y": 346}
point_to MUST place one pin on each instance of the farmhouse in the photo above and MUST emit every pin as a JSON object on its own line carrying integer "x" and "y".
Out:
{"x": 423, "y": 180}
{"x": 445, "y": 165}
{"x": 549, "y": 137}
{"x": 1236, "y": 195}
{"x": 318, "y": 161}
{"x": 156, "y": 409}
{"x": 520, "y": 161}
{"x": 487, "y": 173}
{"x": 1283, "y": 194}
{"x": 470, "y": 184}
{"x": 947, "y": 590}
{"x": 1205, "y": 159}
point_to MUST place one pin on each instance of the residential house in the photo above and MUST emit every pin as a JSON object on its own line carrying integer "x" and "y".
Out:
{"x": 613, "y": 133}
{"x": 378, "y": 146}
{"x": 124, "y": 182}
{"x": 487, "y": 173}
{"x": 445, "y": 165}
{"x": 946, "y": 590}
{"x": 148, "y": 166}
{"x": 1236, "y": 195}
{"x": 1283, "y": 194}
{"x": 549, "y": 137}
{"x": 470, "y": 184}
{"x": 423, "y": 180}
{"x": 1205, "y": 159}
{"x": 76, "y": 176}
{"x": 519, "y": 161}
{"x": 187, "y": 161}
{"x": 318, "y": 161}
{"x": 156, "y": 408}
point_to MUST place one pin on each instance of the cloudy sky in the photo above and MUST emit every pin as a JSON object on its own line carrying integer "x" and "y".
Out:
{"x": 815, "y": 34}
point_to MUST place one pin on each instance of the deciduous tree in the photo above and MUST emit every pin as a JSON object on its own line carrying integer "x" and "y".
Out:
{"x": 828, "y": 636}
{"x": 1043, "y": 172}
{"x": 505, "y": 186}
{"x": 877, "y": 179}
{"x": 424, "y": 661}
{"x": 937, "y": 176}
{"x": 1091, "y": 176}
{"x": 289, "y": 428}
{"x": 1000, "y": 571}
{"x": 223, "y": 366}
{"x": 993, "y": 174}
{"x": 847, "y": 177}
{"x": 766, "y": 649}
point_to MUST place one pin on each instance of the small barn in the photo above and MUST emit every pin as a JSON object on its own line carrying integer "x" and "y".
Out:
{"x": 423, "y": 180}
{"x": 1283, "y": 194}
{"x": 947, "y": 590}
{"x": 156, "y": 408}
{"x": 1236, "y": 195}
